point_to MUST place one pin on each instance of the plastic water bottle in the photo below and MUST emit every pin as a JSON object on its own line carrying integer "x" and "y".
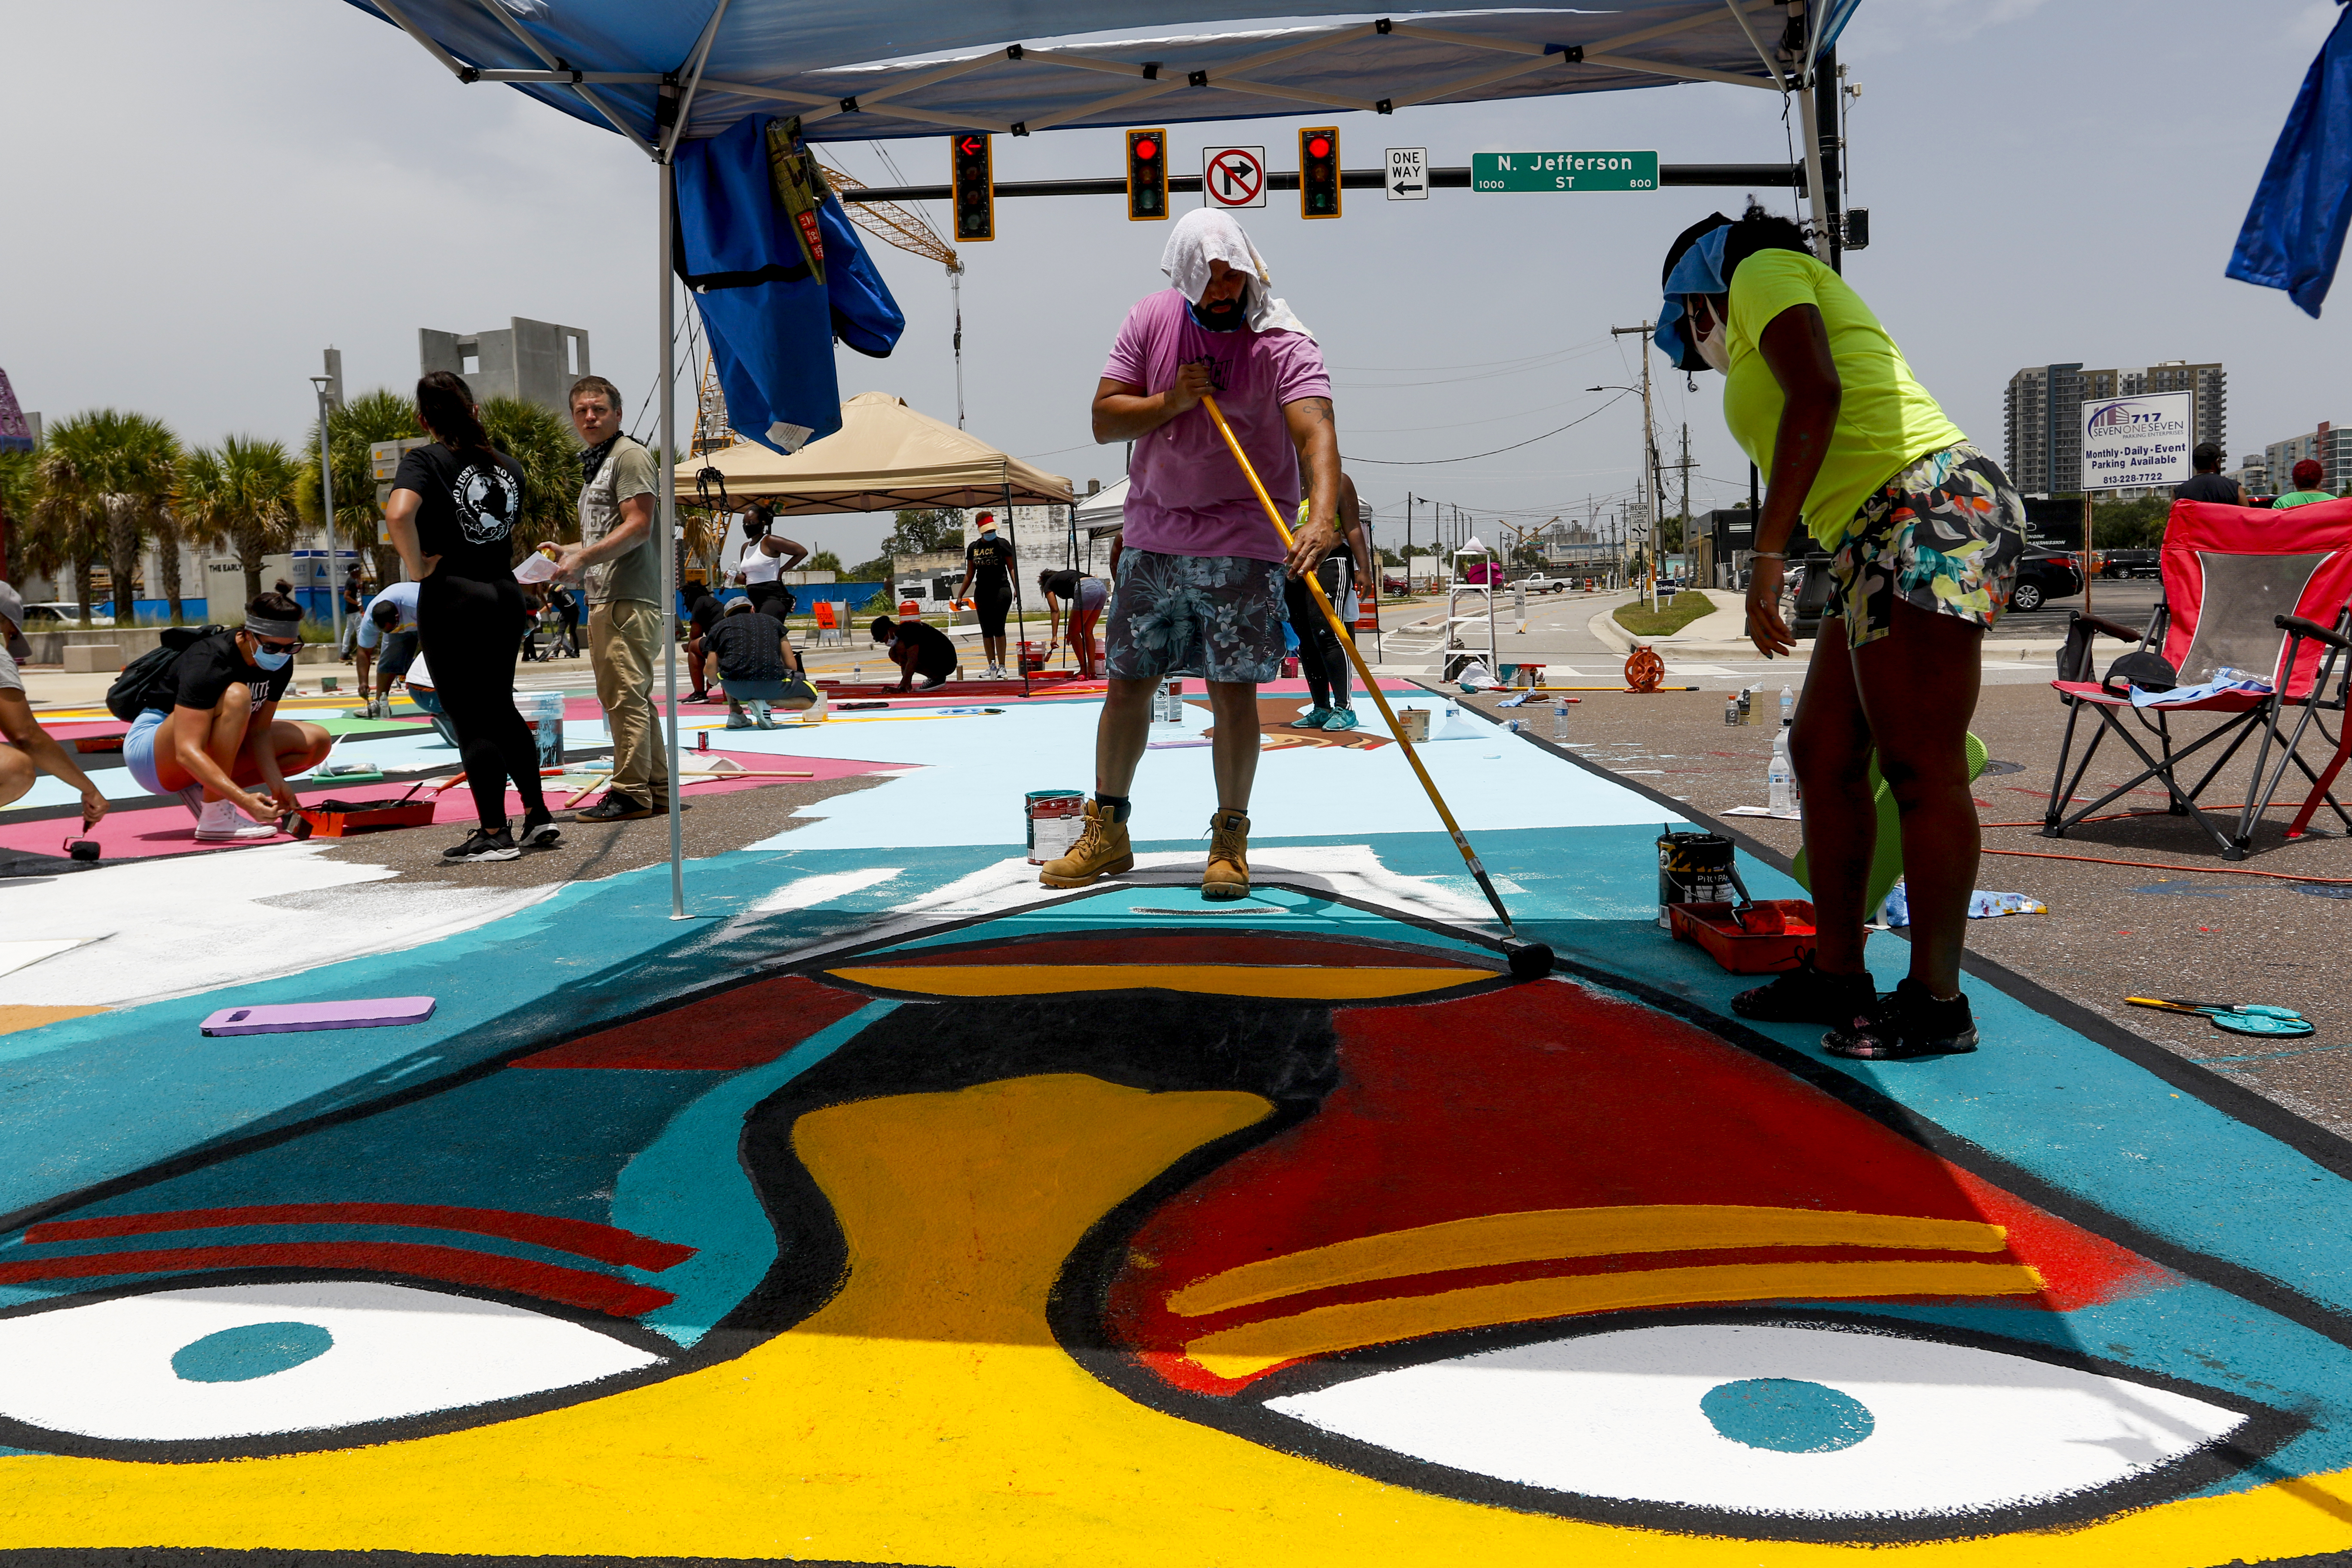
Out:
{"x": 1559, "y": 718}
{"x": 1787, "y": 707}
{"x": 1781, "y": 775}
{"x": 856, "y": 674}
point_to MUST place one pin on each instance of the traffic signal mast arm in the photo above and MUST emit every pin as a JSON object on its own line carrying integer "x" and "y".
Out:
{"x": 1746, "y": 177}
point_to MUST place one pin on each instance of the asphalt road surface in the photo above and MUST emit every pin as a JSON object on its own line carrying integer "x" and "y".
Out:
{"x": 2124, "y": 602}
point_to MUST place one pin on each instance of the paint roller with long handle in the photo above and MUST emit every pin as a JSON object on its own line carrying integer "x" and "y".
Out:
{"x": 1528, "y": 960}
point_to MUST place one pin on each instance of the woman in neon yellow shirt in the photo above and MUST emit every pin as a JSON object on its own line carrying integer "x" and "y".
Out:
{"x": 1925, "y": 533}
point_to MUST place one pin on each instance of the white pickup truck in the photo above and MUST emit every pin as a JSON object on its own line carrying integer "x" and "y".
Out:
{"x": 1538, "y": 583}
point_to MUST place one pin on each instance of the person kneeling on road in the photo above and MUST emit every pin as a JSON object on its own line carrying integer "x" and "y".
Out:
{"x": 31, "y": 750}
{"x": 917, "y": 648}
{"x": 752, "y": 653}
{"x": 221, "y": 734}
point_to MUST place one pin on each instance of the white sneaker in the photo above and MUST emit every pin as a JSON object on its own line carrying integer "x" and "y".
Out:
{"x": 221, "y": 821}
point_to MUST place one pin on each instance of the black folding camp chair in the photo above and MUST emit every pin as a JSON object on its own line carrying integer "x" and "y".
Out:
{"x": 2260, "y": 593}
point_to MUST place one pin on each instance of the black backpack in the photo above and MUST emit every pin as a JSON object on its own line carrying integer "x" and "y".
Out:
{"x": 146, "y": 682}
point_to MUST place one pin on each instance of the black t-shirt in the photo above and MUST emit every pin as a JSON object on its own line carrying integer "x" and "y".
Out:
{"x": 1065, "y": 585}
{"x": 991, "y": 559}
{"x": 706, "y": 613}
{"x": 749, "y": 647}
{"x": 471, "y": 503}
{"x": 354, "y": 596}
{"x": 935, "y": 651}
{"x": 2209, "y": 487}
{"x": 212, "y": 665}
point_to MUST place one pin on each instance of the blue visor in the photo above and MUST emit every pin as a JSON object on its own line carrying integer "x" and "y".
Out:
{"x": 1700, "y": 271}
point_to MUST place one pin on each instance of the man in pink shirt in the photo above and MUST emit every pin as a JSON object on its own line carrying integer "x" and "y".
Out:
{"x": 1200, "y": 582}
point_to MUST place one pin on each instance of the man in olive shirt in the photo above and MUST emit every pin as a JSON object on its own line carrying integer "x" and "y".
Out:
{"x": 626, "y": 619}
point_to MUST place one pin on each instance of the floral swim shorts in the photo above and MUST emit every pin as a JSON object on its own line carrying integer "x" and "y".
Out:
{"x": 1219, "y": 616}
{"x": 1945, "y": 534}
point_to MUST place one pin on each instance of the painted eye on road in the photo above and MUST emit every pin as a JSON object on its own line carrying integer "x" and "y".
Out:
{"x": 249, "y": 1360}
{"x": 1803, "y": 1422}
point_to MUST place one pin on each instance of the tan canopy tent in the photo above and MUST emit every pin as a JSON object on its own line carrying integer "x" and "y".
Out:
{"x": 884, "y": 456}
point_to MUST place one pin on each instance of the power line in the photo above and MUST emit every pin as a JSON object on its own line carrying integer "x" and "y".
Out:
{"x": 1474, "y": 456}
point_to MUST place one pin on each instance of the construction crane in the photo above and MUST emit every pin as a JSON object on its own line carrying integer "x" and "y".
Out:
{"x": 895, "y": 225}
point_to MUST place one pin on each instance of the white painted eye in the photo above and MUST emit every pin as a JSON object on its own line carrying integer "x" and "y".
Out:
{"x": 1772, "y": 1419}
{"x": 243, "y": 1361}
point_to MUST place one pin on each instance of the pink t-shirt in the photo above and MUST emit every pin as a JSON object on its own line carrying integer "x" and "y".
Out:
{"x": 1185, "y": 494}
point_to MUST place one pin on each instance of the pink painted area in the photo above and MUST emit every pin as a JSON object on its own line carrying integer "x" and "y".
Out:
{"x": 138, "y": 834}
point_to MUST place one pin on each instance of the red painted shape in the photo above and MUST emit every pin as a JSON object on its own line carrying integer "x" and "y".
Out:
{"x": 451, "y": 1265}
{"x": 1545, "y": 1097}
{"x": 745, "y": 1027}
{"x": 1179, "y": 947}
{"x": 604, "y": 1243}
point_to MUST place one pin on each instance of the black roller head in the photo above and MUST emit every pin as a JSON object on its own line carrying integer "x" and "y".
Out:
{"x": 1528, "y": 960}
{"x": 82, "y": 849}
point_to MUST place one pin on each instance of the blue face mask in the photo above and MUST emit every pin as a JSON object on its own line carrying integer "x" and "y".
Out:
{"x": 265, "y": 660}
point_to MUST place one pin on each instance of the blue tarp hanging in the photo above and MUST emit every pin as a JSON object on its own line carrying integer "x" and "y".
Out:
{"x": 2294, "y": 233}
{"x": 771, "y": 321}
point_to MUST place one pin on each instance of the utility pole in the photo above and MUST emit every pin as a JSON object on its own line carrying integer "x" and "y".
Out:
{"x": 1649, "y": 481}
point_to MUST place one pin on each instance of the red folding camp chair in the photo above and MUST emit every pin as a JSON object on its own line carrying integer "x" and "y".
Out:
{"x": 2262, "y": 592}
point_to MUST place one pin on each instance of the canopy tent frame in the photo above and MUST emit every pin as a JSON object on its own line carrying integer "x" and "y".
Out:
{"x": 676, "y": 89}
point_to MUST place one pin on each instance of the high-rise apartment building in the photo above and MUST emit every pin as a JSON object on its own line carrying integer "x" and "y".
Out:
{"x": 2330, "y": 444}
{"x": 2042, "y": 417}
{"x": 2043, "y": 407}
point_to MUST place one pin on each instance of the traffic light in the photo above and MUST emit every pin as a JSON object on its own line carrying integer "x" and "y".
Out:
{"x": 1319, "y": 172}
{"x": 1147, "y": 175}
{"x": 975, "y": 187}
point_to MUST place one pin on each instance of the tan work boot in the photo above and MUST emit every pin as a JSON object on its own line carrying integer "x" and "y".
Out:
{"x": 1102, "y": 850}
{"x": 1227, "y": 874}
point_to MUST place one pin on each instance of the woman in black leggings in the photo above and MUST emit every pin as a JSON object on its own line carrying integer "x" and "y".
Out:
{"x": 452, "y": 515}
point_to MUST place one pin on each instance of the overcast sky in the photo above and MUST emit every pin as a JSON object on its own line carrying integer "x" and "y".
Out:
{"x": 204, "y": 196}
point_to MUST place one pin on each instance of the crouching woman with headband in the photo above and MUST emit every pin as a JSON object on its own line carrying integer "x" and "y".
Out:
{"x": 220, "y": 736}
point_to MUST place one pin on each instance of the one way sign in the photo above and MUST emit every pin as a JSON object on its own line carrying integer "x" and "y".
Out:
{"x": 1408, "y": 178}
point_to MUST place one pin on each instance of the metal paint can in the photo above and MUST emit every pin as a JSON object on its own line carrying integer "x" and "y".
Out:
{"x": 1415, "y": 722}
{"x": 1693, "y": 868}
{"x": 1056, "y": 816}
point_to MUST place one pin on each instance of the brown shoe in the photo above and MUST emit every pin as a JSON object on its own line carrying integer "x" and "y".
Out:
{"x": 1227, "y": 874}
{"x": 1102, "y": 850}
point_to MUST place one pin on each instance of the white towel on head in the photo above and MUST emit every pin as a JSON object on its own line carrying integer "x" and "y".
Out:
{"x": 1206, "y": 235}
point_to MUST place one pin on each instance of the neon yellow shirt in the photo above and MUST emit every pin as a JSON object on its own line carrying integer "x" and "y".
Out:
{"x": 1884, "y": 419}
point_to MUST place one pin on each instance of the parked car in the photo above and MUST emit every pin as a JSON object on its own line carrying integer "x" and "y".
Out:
{"x": 53, "y": 613}
{"x": 2042, "y": 574}
{"x": 1536, "y": 583}
{"x": 1395, "y": 585}
{"x": 2130, "y": 564}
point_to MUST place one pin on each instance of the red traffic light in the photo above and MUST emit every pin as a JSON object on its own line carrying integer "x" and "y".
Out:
{"x": 1147, "y": 148}
{"x": 1319, "y": 147}
{"x": 970, "y": 146}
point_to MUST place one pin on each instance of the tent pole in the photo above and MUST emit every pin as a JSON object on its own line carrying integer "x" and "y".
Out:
{"x": 669, "y": 504}
{"x": 1810, "y": 120}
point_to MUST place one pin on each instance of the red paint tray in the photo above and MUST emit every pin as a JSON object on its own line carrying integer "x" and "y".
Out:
{"x": 341, "y": 818}
{"x": 1776, "y": 933}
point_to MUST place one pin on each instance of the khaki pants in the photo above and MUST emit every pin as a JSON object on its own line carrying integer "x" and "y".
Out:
{"x": 623, "y": 639}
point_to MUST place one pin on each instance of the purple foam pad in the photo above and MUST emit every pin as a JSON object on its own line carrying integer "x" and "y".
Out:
{"x": 286, "y": 1019}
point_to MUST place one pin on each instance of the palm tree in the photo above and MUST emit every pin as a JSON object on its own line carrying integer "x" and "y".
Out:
{"x": 543, "y": 441}
{"x": 241, "y": 495}
{"x": 379, "y": 416}
{"x": 106, "y": 475}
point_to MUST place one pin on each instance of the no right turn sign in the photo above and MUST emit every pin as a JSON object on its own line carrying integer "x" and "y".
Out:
{"x": 1408, "y": 177}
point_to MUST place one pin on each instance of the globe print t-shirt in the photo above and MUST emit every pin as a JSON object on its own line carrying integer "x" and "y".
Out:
{"x": 470, "y": 503}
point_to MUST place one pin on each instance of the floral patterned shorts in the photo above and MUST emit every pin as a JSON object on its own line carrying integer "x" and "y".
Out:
{"x": 1218, "y": 616}
{"x": 1945, "y": 533}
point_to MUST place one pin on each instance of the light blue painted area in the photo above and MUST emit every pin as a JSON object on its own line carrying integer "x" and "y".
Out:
{"x": 687, "y": 1185}
{"x": 250, "y": 1351}
{"x": 1787, "y": 1415}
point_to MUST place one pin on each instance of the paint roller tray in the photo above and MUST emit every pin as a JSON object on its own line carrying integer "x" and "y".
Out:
{"x": 341, "y": 818}
{"x": 1774, "y": 934}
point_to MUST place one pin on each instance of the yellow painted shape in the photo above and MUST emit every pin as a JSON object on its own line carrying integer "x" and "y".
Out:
{"x": 926, "y": 1415}
{"x": 16, "y": 1015}
{"x": 1537, "y": 1234}
{"x": 1301, "y": 982}
{"x": 1251, "y": 1348}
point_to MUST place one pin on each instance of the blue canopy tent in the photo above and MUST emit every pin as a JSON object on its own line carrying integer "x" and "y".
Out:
{"x": 658, "y": 74}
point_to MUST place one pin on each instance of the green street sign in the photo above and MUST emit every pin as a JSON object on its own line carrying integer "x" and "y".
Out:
{"x": 1563, "y": 170}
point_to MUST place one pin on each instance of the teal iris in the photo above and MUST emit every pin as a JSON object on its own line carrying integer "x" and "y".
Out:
{"x": 255, "y": 1350}
{"x": 1786, "y": 1415}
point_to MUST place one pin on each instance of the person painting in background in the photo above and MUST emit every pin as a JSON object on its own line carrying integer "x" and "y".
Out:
{"x": 628, "y": 622}
{"x": 1086, "y": 596}
{"x": 2308, "y": 476}
{"x": 1321, "y": 659}
{"x": 221, "y": 735}
{"x": 1925, "y": 532}
{"x": 452, "y": 516}
{"x": 917, "y": 649}
{"x": 31, "y": 751}
{"x": 988, "y": 583}
{"x": 1201, "y": 574}
{"x": 387, "y": 640}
